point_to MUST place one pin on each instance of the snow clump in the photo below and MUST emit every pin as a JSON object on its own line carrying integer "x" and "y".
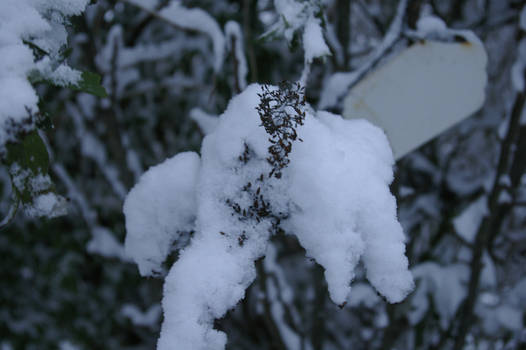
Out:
{"x": 27, "y": 25}
{"x": 318, "y": 176}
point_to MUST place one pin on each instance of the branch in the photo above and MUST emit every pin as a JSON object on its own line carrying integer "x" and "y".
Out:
{"x": 392, "y": 37}
{"x": 13, "y": 208}
{"x": 235, "y": 43}
{"x": 189, "y": 19}
{"x": 276, "y": 340}
{"x": 465, "y": 313}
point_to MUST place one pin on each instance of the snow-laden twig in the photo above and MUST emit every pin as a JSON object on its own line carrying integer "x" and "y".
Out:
{"x": 193, "y": 19}
{"x": 102, "y": 241}
{"x": 330, "y": 188}
{"x": 13, "y": 208}
{"x": 27, "y": 26}
{"x": 314, "y": 46}
{"x": 235, "y": 44}
{"x": 207, "y": 122}
{"x": 392, "y": 36}
{"x": 91, "y": 147}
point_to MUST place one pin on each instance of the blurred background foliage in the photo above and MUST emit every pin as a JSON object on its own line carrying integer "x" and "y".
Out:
{"x": 66, "y": 284}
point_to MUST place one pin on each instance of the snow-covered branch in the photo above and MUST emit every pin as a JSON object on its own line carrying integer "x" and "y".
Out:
{"x": 302, "y": 180}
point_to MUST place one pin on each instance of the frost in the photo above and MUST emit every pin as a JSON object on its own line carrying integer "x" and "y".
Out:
{"x": 331, "y": 190}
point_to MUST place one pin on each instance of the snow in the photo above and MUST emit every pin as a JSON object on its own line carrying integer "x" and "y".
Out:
{"x": 198, "y": 20}
{"x": 103, "y": 243}
{"x": 468, "y": 222}
{"x": 39, "y": 22}
{"x": 158, "y": 208}
{"x": 509, "y": 317}
{"x": 47, "y": 204}
{"x": 139, "y": 318}
{"x": 67, "y": 345}
{"x": 313, "y": 42}
{"x": 193, "y": 19}
{"x": 292, "y": 16}
{"x": 517, "y": 70}
{"x": 363, "y": 294}
{"x": 279, "y": 293}
{"x": 233, "y": 33}
{"x": 102, "y": 240}
{"x": 207, "y": 122}
{"x": 430, "y": 24}
{"x": 333, "y": 87}
{"x": 62, "y": 75}
{"x": 445, "y": 284}
{"x": 44, "y": 202}
{"x": 92, "y": 147}
{"x": 334, "y": 196}
{"x": 295, "y": 15}
{"x": 345, "y": 213}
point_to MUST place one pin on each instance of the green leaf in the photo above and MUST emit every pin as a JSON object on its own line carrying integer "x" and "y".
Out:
{"x": 29, "y": 153}
{"x": 28, "y": 156}
{"x": 91, "y": 84}
{"x": 28, "y": 163}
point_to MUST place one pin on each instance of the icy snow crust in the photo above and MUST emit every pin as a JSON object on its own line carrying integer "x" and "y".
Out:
{"x": 335, "y": 193}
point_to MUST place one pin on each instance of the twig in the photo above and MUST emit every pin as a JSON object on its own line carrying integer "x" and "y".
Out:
{"x": 392, "y": 37}
{"x": 13, "y": 208}
{"x": 237, "y": 85}
{"x": 377, "y": 24}
{"x": 276, "y": 339}
{"x": 247, "y": 34}
{"x": 465, "y": 313}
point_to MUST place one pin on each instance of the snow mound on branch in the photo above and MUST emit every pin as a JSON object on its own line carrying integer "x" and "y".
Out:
{"x": 334, "y": 196}
{"x": 159, "y": 208}
{"x": 341, "y": 175}
{"x": 313, "y": 42}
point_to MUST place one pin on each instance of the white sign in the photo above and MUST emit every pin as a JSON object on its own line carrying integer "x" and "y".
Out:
{"x": 421, "y": 92}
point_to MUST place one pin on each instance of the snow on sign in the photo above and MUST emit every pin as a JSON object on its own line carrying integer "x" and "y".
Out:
{"x": 421, "y": 92}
